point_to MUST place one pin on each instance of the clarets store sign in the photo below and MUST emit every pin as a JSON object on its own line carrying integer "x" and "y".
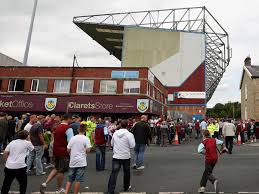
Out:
{"x": 101, "y": 104}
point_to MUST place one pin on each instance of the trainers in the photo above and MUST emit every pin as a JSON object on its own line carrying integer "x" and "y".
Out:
{"x": 62, "y": 190}
{"x": 216, "y": 186}
{"x": 43, "y": 173}
{"x": 201, "y": 190}
{"x": 129, "y": 189}
{"x": 50, "y": 166}
{"x": 141, "y": 168}
{"x": 43, "y": 187}
{"x": 134, "y": 166}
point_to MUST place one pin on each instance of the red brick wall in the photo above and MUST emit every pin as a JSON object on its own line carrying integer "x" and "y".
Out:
{"x": 195, "y": 83}
{"x": 65, "y": 72}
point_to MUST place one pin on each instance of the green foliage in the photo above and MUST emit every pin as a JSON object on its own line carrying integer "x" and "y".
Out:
{"x": 228, "y": 110}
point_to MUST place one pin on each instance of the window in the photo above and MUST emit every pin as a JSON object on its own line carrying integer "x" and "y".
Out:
{"x": 148, "y": 89}
{"x": 85, "y": 86}
{"x": 131, "y": 87}
{"x": 158, "y": 95}
{"x": 108, "y": 86}
{"x": 39, "y": 85}
{"x": 154, "y": 92}
{"x": 62, "y": 86}
{"x": 16, "y": 85}
{"x": 245, "y": 91}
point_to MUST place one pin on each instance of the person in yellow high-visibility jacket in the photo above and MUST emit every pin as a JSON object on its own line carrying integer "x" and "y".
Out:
{"x": 216, "y": 132}
{"x": 212, "y": 128}
{"x": 91, "y": 125}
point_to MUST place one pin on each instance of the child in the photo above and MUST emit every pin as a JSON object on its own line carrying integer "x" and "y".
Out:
{"x": 209, "y": 148}
{"x": 78, "y": 146}
{"x": 15, "y": 167}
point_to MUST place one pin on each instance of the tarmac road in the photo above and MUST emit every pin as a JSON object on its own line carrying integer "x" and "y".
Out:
{"x": 171, "y": 169}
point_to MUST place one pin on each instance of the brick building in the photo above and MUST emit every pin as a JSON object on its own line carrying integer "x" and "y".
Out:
{"x": 249, "y": 87}
{"x": 105, "y": 90}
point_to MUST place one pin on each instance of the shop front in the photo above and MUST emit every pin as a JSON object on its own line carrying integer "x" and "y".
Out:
{"x": 131, "y": 105}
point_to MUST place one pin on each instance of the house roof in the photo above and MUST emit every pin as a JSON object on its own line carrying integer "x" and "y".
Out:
{"x": 252, "y": 71}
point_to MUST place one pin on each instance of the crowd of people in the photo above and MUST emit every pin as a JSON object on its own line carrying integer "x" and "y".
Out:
{"x": 62, "y": 142}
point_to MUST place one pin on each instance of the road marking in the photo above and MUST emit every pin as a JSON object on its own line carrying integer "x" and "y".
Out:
{"x": 51, "y": 192}
{"x": 171, "y": 192}
{"x": 132, "y": 193}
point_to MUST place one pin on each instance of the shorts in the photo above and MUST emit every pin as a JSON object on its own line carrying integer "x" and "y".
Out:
{"x": 61, "y": 163}
{"x": 76, "y": 174}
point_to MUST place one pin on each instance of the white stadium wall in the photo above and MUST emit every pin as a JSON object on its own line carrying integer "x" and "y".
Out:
{"x": 172, "y": 56}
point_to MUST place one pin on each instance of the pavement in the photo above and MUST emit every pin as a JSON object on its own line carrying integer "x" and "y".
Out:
{"x": 172, "y": 170}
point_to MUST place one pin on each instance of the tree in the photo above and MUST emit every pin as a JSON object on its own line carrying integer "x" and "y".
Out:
{"x": 228, "y": 110}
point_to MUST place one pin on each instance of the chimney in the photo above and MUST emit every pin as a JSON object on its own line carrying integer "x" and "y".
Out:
{"x": 248, "y": 61}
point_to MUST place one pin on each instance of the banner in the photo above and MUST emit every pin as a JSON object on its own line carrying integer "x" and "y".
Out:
{"x": 193, "y": 95}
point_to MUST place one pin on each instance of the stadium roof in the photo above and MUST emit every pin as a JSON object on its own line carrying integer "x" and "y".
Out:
{"x": 8, "y": 61}
{"x": 108, "y": 31}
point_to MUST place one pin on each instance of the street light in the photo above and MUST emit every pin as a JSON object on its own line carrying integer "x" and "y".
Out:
{"x": 30, "y": 33}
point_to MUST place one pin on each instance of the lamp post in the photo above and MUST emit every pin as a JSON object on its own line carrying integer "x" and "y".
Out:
{"x": 30, "y": 33}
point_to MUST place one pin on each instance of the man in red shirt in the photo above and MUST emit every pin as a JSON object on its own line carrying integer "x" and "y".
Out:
{"x": 62, "y": 135}
{"x": 208, "y": 147}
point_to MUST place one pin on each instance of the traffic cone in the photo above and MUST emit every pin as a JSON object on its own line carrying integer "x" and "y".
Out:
{"x": 176, "y": 140}
{"x": 239, "y": 139}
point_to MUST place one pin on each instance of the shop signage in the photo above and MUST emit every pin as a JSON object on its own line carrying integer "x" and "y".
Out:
{"x": 142, "y": 105}
{"x": 50, "y": 104}
{"x": 77, "y": 104}
{"x": 125, "y": 74}
{"x": 192, "y": 95}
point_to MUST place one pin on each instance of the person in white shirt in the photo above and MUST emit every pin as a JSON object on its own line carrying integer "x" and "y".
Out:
{"x": 33, "y": 120}
{"x": 203, "y": 125}
{"x": 15, "y": 167}
{"x": 122, "y": 142}
{"x": 78, "y": 146}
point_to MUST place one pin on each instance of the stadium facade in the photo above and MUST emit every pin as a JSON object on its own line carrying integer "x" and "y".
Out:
{"x": 186, "y": 49}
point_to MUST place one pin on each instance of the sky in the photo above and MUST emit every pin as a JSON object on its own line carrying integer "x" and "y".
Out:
{"x": 56, "y": 39}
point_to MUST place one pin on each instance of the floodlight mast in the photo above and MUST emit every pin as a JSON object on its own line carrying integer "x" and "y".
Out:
{"x": 25, "y": 59}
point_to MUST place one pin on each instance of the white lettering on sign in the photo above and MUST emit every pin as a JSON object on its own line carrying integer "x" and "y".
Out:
{"x": 193, "y": 95}
{"x": 96, "y": 105}
{"x": 15, "y": 104}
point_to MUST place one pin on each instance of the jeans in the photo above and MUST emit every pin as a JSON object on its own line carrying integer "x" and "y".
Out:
{"x": 46, "y": 155}
{"x": 207, "y": 175}
{"x": 116, "y": 166}
{"x": 100, "y": 157}
{"x": 164, "y": 139}
{"x": 139, "y": 154}
{"x": 242, "y": 134}
{"x": 10, "y": 175}
{"x": 1, "y": 145}
{"x": 36, "y": 155}
{"x": 229, "y": 143}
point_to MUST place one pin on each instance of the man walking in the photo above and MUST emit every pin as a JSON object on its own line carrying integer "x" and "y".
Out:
{"x": 33, "y": 120}
{"x": 15, "y": 167}
{"x": 122, "y": 142}
{"x": 208, "y": 147}
{"x": 229, "y": 132}
{"x": 142, "y": 134}
{"x": 62, "y": 135}
{"x": 37, "y": 140}
{"x": 100, "y": 139}
{"x": 3, "y": 130}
